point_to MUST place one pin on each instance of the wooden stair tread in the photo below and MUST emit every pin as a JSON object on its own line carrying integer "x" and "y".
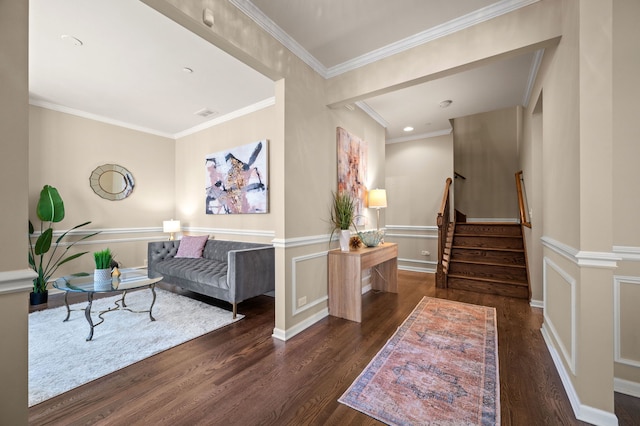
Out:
{"x": 474, "y": 262}
{"x": 515, "y": 250}
{"x": 519, "y": 237}
{"x": 490, "y": 224}
{"x": 488, "y": 280}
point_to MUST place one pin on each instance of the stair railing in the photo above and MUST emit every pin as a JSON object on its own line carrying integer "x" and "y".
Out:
{"x": 522, "y": 200}
{"x": 443, "y": 221}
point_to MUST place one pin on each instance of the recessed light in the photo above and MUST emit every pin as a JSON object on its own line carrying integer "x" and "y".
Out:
{"x": 408, "y": 129}
{"x": 187, "y": 70}
{"x": 71, "y": 39}
{"x": 445, "y": 104}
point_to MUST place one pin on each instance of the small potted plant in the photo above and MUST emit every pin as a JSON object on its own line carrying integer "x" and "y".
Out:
{"x": 342, "y": 215}
{"x": 50, "y": 210}
{"x": 103, "y": 260}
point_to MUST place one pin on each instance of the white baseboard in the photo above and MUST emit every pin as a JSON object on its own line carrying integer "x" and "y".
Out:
{"x": 626, "y": 387}
{"x": 582, "y": 412}
{"x": 285, "y": 335}
{"x": 415, "y": 269}
{"x": 536, "y": 303}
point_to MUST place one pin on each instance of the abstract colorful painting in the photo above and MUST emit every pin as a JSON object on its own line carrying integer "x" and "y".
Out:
{"x": 236, "y": 180}
{"x": 352, "y": 169}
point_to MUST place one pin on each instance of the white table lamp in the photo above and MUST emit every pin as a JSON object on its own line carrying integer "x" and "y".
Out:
{"x": 171, "y": 226}
{"x": 377, "y": 200}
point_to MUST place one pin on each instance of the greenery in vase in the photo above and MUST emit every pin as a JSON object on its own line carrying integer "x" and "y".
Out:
{"x": 103, "y": 259}
{"x": 50, "y": 210}
{"x": 343, "y": 212}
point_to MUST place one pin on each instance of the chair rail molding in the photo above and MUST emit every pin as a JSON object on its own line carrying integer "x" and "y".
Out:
{"x": 428, "y": 228}
{"x": 16, "y": 281}
{"x": 232, "y": 231}
{"x": 593, "y": 259}
{"x": 628, "y": 253}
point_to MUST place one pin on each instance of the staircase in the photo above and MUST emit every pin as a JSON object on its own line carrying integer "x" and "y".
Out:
{"x": 488, "y": 258}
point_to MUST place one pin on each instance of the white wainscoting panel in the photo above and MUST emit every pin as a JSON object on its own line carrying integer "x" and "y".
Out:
{"x": 294, "y": 286}
{"x": 569, "y": 354}
{"x": 618, "y": 282}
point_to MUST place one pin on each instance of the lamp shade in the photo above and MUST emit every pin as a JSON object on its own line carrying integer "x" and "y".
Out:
{"x": 377, "y": 198}
{"x": 171, "y": 225}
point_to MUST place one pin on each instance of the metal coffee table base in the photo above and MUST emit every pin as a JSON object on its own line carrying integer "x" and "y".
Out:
{"x": 118, "y": 307}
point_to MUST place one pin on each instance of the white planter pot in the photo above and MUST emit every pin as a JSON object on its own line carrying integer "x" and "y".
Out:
{"x": 101, "y": 275}
{"x": 345, "y": 236}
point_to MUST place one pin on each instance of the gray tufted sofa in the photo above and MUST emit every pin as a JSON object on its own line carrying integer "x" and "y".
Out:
{"x": 228, "y": 270}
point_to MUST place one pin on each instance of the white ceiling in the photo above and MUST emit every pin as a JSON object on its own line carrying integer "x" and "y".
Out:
{"x": 129, "y": 68}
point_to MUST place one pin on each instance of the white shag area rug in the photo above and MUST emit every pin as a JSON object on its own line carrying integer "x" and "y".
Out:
{"x": 61, "y": 359}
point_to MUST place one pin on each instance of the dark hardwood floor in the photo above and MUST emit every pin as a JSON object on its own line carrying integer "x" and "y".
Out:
{"x": 240, "y": 375}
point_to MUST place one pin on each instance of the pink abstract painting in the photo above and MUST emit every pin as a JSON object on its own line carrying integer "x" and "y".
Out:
{"x": 352, "y": 168}
{"x": 236, "y": 180}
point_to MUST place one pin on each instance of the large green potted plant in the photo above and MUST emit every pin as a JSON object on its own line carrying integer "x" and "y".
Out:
{"x": 50, "y": 210}
{"x": 343, "y": 213}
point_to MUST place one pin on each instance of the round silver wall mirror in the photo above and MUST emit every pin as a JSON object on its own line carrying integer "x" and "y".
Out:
{"x": 112, "y": 182}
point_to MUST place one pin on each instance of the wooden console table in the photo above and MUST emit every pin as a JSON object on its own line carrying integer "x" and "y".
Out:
{"x": 345, "y": 277}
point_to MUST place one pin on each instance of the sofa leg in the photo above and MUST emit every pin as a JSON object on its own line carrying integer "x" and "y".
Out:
{"x": 235, "y": 310}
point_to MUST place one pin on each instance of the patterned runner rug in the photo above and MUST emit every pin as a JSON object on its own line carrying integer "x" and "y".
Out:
{"x": 439, "y": 368}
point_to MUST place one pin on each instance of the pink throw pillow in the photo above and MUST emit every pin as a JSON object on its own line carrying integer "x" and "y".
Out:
{"x": 191, "y": 246}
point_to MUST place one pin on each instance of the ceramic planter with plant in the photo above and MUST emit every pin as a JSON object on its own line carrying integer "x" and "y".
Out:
{"x": 342, "y": 217}
{"x": 45, "y": 256}
{"x": 103, "y": 260}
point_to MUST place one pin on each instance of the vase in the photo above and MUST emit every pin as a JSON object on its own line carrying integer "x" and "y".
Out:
{"x": 39, "y": 298}
{"x": 345, "y": 236}
{"x": 102, "y": 278}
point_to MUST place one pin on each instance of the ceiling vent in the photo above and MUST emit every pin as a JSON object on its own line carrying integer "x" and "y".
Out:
{"x": 205, "y": 112}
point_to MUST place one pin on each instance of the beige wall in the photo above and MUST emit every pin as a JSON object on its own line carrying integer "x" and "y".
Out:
{"x": 626, "y": 178}
{"x": 15, "y": 278}
{"x": 416, "y": 174}
{"x": 191, "y": 151}
{"x": 63, "y": 151}
{"x": 486, "y": 154}
{"x": 566, "y": 156}
{"x": 569, "y": 83}
{"x": 530, "y": 159}
{"x": 576, "y": 134}
{"x": 302, "y": 157}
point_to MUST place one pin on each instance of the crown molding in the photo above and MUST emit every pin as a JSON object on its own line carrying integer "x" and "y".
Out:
{"x": 444, "y": 132}
{"x": 533, "y": 73}
{"x": 96, "y": 117}
{"x": 227, "y": 117}
{"x": 211, "y": 123}
{"x": 255, "y": 14}
{"x": 372, "y": 113}
{"x": 481, "y": 15}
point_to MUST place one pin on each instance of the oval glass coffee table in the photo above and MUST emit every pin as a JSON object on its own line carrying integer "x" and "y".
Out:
{"x": 130, "y": 279}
